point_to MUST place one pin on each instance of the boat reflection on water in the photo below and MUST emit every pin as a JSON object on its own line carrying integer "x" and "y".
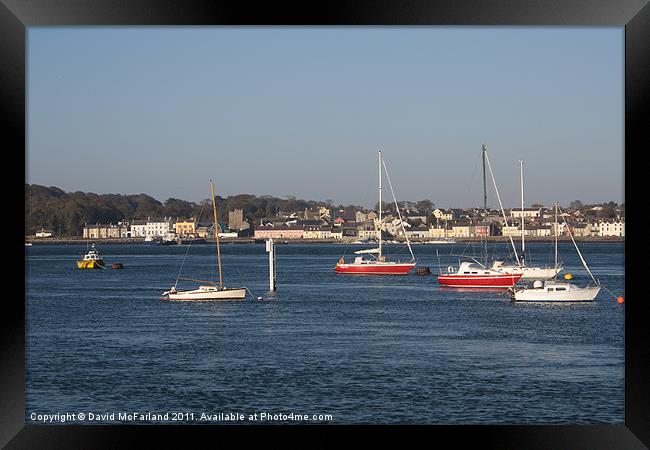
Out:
{"x": 474, "y": 290}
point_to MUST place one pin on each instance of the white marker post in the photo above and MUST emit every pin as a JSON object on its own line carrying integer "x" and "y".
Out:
{"x": 270, "y": 249}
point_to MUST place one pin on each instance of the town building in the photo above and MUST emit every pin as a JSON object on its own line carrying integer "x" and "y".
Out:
{"x": 530, "y": 213}
{"x": 185, "y": 227}
{"x": 611, "y": 228}
{"x": 138, "y": 228}
{"x": 443, "y": 214}
{"x": 159, "y": 227}
{"x": 280, "y": 231}
{"x": 419, "y": 231}
{"x": 43, "y": 233}
{"x": 439, "y": 233}
{"x": 236, "y": 220}
{"x": 312, "y": 232}
{"x": 104, "y": 231}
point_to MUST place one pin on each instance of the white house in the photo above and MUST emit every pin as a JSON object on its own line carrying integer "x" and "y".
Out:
{"x": 529, "y": 213}
{"x": 159, "y": 227}
{"x": 421, "y": 231}
{"x": 439, "y": 233}
{"x": 611, "y": 228}
{"x": 138, "y": 228}
{"x": 43, "y": 233}
{"x": 443, "y": 214}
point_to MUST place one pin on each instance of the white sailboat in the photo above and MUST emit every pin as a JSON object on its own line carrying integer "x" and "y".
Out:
{"x": 209, "y": 290}
{"x": 527, "y": 272}
{"x": 558, "y": 291}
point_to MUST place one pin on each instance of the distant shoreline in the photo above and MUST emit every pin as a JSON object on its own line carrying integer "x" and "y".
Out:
{"x": 249, "y": 240}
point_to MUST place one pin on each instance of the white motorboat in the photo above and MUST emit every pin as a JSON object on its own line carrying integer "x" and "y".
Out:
{"x": 558, "y": 291}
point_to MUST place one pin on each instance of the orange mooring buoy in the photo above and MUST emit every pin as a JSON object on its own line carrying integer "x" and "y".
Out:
{"x": 620, "y": 300}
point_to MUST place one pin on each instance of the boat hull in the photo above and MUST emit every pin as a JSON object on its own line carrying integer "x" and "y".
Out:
{"x": 375, "y": 268}
{"x": 476, "y": 281}
{"x": 539, "y": 273}
{"x": 92, "y": 264}
{"x": 531, "y": 273}
{"x": 207, "y": 294}
{"x": 538, "y": 295}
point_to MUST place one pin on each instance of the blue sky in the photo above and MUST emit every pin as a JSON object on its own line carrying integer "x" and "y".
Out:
{"x": 302, "y": 111}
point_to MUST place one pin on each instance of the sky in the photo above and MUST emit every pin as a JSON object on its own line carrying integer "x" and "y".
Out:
{"x": 302, "y": 111}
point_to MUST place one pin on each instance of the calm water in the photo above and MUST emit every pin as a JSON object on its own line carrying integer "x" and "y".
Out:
{"x": 363, "y": 349}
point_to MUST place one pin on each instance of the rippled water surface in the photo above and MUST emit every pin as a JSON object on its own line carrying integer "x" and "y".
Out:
{"x": 363, "y": 349}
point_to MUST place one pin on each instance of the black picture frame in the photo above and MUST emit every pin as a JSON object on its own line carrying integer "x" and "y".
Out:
{"x": 634, "y": 15}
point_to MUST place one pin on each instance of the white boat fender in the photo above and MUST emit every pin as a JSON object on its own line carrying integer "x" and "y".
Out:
{"x": 450, "y": 269}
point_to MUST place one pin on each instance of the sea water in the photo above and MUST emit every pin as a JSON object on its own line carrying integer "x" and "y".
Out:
{"x": 325, "y": 347}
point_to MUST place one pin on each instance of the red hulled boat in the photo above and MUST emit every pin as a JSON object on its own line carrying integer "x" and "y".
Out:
{"x": 471, "y": 274}
{"x": 378, "y": 265}
{"x": 373, "y": 267}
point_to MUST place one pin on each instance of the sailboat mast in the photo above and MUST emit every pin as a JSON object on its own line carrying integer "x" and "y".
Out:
{"x": 216, "y": 232}
{"x": 380, "y": 205}
{"x": 485, "y": 202}
{"x": 401, "y": 221}
{"x": 556, "y": 233}
{"x": 503, "y": 212}
{"x": 584, "y": 263}
{"x": 523, "y": 245}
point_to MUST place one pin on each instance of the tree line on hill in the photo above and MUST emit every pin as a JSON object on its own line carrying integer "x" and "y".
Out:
{"x": 66, "y": 213}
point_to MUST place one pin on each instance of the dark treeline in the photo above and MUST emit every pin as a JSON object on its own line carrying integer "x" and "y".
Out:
{"x": 66, "y": 213}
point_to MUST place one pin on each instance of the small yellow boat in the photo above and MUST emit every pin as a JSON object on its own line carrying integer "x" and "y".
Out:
{"x": 91, "y": 260}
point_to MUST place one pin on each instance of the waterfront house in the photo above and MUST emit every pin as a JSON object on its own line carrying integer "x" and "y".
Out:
{"x": 159, "y": 227}
{"x": 138, "y": 228}
{"x": 611, "y": 228}
{"x": 367, "y": 230}
{"x": 439, "y": 233}
{"x": 418, "y": 231}
{"x": 529, "y": 213}
{"x": 511, "y": 230}
{"x": 103, "y": 231}
{"x": 460, "y": 230}
{"x": 44, "y": 233}
{"x": 312, "y": 232}
{"x": 480, "y": 231}
{"x": 281, "y": 231}
{"x": 325, "y": 232}
{"x": 185, "y": 227}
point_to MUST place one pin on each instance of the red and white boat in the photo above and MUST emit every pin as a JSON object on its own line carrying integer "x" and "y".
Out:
{"x": 378, "y": 265}
{"x": 472, "y": 274}
{"x": 475, "y": 275}
{"x": 374, "y": 267}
